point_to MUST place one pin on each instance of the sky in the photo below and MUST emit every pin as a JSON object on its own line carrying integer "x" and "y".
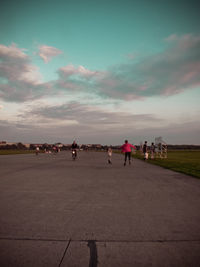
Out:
{"x": 100, "y": 71}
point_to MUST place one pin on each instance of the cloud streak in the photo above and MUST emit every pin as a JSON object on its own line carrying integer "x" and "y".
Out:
{"x": 76, "y": 120}
{"x": 31, "y": 132}
{"x": 82, "y": 115}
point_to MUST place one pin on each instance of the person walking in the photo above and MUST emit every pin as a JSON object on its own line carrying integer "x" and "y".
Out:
{"x": 126, "y": 148}
{"x": 109, "y": 155}
{"x": 152, "y": 151}
{"x": 145, "y": 150}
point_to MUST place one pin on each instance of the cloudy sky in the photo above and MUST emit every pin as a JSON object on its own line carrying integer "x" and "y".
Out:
{"x": 100, "y": 71}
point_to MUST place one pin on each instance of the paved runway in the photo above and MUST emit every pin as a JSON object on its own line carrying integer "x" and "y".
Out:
{"x": 56, "y": 212}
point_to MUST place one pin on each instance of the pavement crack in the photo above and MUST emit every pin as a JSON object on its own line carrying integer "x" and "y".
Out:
{"x": 93, "y": 253}
{"x": 64, "y": 253}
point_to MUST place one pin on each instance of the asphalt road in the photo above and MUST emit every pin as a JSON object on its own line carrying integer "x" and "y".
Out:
{"x": 56, "y": 212}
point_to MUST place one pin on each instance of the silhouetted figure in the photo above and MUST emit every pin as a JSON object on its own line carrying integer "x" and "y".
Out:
{"x": 145, "y": 150}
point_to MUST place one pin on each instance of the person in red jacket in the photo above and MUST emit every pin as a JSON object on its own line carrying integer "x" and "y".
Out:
{"x": 126, "y": 148}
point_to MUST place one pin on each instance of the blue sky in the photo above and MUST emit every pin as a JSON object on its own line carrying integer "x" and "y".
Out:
{"x": 100, "y": 71}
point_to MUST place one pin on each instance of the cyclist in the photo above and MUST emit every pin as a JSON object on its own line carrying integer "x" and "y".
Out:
{"x": 74, "y": 148}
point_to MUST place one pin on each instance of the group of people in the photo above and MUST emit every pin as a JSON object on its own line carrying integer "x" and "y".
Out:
{"x": 146, "y": 150}
{"x": 126, "y": 149}
{"x": 54, "y": 150}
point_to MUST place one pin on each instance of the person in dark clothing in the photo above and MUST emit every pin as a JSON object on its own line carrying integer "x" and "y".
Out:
{"x": 74, "y": 147}
{"x": 145, "y": 150}
{"x": 152, "y": 150}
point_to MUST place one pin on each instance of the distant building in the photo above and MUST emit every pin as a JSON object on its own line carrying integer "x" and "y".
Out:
{"x": 27, "y": 145}
{"x": 4, "y": 143}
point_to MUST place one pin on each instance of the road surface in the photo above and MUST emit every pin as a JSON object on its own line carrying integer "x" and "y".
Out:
{"x": 57, "y": 212}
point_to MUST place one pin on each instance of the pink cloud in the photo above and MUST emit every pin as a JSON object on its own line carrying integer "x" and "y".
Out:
{"x": 22, "y": 79}
{"x": 188, "y": 76}
{"x": 171, "y": 38}
{"x": 12, "y": 52}
{"x": 131, "y": 97}
{"x": 79, "y": 71}
{"x": 188, "y": 41}
{"x": 165, "y": 73}
{"x": 143, "y": 87}
{"x": 170, "y": 72}
{"x": 85, "y": 72}
{"x": 109, "y": 82}
{"x": 16, "y": 65}
{"x": 48, "y": 52}
{"x": 171, "y": 90}
{"x": 67, "y": 85}
{"x": 68, "y": 70}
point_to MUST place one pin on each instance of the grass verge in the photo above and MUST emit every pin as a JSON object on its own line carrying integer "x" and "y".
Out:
{"x": 186, "y": 161}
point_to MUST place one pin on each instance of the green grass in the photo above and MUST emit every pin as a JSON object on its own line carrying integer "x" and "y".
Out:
{"x": 186, "y": 161}
{"x": 15, "y": 151}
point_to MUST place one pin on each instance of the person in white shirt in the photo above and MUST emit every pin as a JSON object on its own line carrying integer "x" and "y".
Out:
{"x": 37, "y": 150}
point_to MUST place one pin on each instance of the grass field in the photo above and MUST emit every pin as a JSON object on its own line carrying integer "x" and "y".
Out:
{"x": 186, "y": 161}
{"x": 15, "y": 151}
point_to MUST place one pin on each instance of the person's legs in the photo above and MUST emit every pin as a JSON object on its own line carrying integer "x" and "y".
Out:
{"x": 125, "y": 158}
{"x": 129, "y": 157}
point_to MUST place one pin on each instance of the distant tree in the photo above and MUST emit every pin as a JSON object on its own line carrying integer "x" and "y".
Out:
{"x": 7, "y": 147}
{"x": 32, "y": 147}
{"x": 45, "y": 146}
{"x": 13, "y": 146}
{"x": 21, "y": 146}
